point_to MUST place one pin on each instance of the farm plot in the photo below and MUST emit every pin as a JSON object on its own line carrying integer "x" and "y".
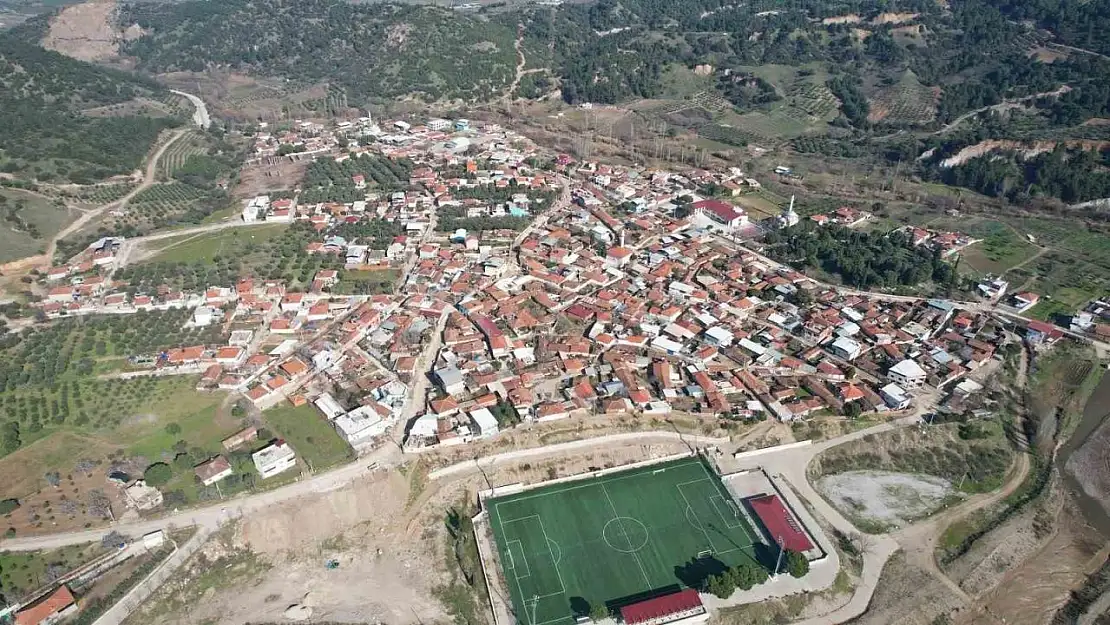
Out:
{"x": 193, "y": 143}
{"x": 814, "y": 100}
{"x": 27, "y": 221}
{"x": 104, "y": 193}
{"x": 161, "y": 204}
{"x": 906, "y": 102}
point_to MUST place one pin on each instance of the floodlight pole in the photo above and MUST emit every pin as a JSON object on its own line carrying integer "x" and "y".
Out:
{"x": 778, "y": 562}
{"x": 535, "y": 606}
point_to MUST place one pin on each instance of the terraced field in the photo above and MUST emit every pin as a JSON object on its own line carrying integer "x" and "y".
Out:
{"x": 906, "y": 102}
{"x": 191, "y": 144}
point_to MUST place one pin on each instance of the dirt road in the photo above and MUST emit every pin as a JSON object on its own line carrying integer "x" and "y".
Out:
{"x": 149, "y": 177}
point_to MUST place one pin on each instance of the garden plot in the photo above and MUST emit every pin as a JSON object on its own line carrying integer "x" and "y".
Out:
{"x": 885, "y": 498}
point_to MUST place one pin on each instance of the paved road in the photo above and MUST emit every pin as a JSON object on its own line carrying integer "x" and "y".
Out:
{"x": 558, "y": 448}
{"x": 200, "y": 111}
{"x": 135, "y": 597}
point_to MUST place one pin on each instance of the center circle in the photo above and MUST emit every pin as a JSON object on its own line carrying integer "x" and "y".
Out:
{"x": 625, "y": 534}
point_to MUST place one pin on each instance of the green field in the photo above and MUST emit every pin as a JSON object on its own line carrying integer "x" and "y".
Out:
{"x": 27, "y": 221}
{"x": 614, "y": 539}
{"x": 309, "y": 433}
{"x": 24, "y": 571}
{"x": 203, "y": 247}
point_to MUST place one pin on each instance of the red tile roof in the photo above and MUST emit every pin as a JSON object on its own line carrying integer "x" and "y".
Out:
{"x": 59, "y": 600}
{"x": 661, "y": 606}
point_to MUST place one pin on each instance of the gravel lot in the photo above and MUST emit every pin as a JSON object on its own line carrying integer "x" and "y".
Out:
{"x": 883, "y": 497}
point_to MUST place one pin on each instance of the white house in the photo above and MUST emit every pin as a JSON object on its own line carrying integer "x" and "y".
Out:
{"x": 330, "y": 407}
{"x": 438, "y": 124}
{"x": 204, "y": 316}
{"x": 907, "y": 374}
{"x": 451, "y": 379}
{"x": 360, "y": 426}
{"x": 846, "y": 348}
{"x": 485, "y": 424}
{"x": 719, "y": 336}
{"x": 895, "y": 396}
{"x": 274, "y": 459}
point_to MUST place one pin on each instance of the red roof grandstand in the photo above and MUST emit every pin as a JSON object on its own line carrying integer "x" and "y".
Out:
{"x": 780, "y": 523}
{"x": 661, "y": 609}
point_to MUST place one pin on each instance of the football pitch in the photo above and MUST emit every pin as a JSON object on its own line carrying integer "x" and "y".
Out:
{"x": 614, "y": 539}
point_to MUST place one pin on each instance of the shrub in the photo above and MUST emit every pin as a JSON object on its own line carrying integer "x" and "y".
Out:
{"x": 796, "y": 564}
{"x": 158, "y": 474}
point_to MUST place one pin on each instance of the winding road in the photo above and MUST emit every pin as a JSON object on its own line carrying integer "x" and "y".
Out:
{"x": 150, "y": 176}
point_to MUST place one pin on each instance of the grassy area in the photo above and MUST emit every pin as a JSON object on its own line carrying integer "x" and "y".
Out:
{"x": 681, "y": 82}
{"x": 955, "y": 535}
{"x": 27, "y": 222}
{"x": 758, "y": 206}
{"x": 366, "y": 282}
{"x": 311, "y": 436}
{"x": 204, "y": 247}
{"x": 1001, "y": 247}
{"x": 24, "y": 571}
{"x": 975, "y": 459}
{"x": 195, "y": 413}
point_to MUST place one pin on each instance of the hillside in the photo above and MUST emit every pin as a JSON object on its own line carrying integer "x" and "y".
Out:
{"x": 364, "y": 51}
{"x": 64, "y": 119}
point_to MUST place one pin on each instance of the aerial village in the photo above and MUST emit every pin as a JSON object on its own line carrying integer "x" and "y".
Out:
{"x": 596, "y": 298}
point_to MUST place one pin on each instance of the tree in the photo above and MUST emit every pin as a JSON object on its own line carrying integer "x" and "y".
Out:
{"x": 795, "y": 563}
{"x": 748, "y": 574}
{"x": 158, "y": 474}
{"x": 721, "y": 585}
{"x": 173, "y": 429}
{"x": 599, "y": 612}
{"x": 8, "y": 506}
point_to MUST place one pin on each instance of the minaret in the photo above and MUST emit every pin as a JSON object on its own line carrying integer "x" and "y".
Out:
{"x": 790, "y": 218}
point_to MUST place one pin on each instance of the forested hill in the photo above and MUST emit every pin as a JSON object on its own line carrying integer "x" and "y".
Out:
{"x": 50, "y": 130}
{"x": 370, "y": 50}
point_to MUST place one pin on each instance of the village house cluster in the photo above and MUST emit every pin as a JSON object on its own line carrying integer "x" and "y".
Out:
{"x": 579, "y": 288}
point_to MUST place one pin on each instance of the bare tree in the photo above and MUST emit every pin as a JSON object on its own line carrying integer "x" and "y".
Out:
{"x": 99, "y": 504}
{"x": 113, "y": 540}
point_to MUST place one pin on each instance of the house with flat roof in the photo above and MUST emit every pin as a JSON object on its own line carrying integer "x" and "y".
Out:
{"x": 360, "y": 426}
{"x": 907, "y": 374}
{"x": 274, "y": 459}
{"x": 485, "y": 424}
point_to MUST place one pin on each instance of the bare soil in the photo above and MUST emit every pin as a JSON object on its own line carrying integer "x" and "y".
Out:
{"x": 273, "y": 174}
{"x": 884, "y": 497}
{"x": 1032, "y": 592}
{"x": 86, "y": 31}
{"x": 907, "y": 595}
{"x": 387, "y": 533}
{"x": 48, "y": 509}
{"x": 992, "y": 557}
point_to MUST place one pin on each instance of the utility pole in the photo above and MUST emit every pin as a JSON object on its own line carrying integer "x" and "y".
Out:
{"x": 778, "y": 562}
